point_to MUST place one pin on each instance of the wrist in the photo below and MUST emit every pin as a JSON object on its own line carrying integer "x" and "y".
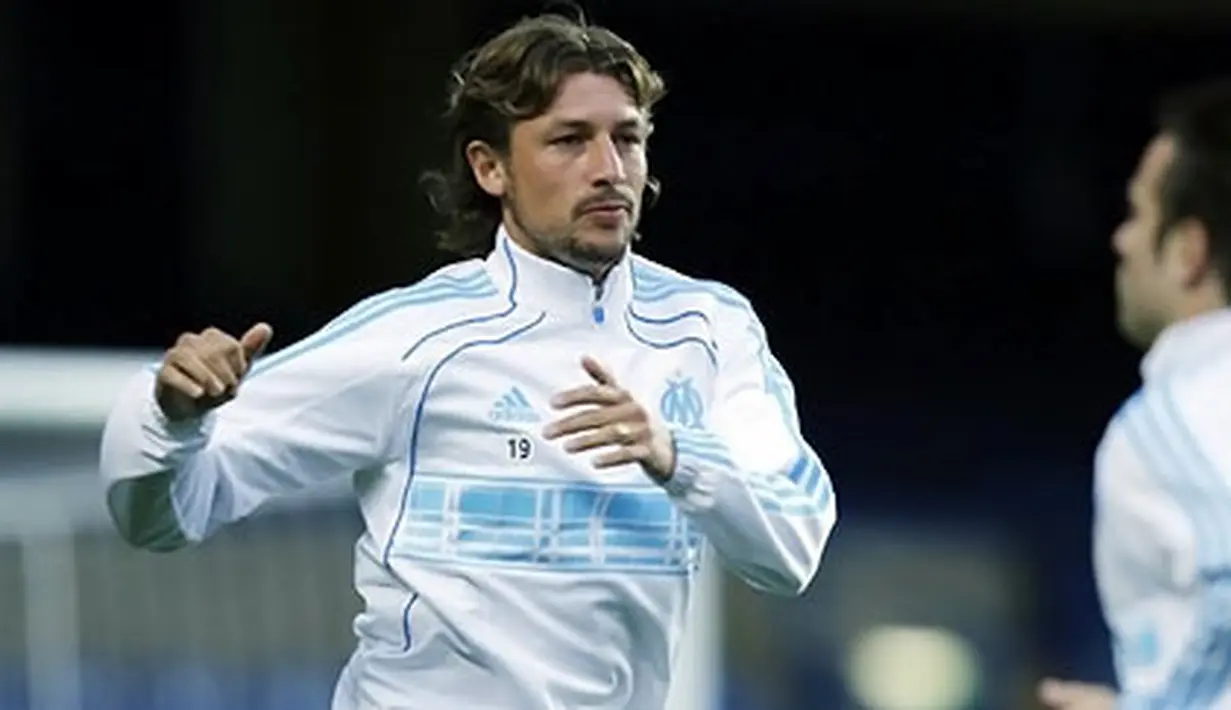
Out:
{"x": 694, "y": 452}
{"x": 171, "y": 426}
{"x": 662, "y": 468}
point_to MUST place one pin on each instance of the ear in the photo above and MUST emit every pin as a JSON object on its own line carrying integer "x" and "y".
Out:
{"x": 1187, "y": 251}
{"x": 488, "y": 168}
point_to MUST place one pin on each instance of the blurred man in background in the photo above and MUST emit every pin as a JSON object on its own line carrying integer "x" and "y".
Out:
{"x": 540, "y": 437}
{"x": 1163, "y": 469}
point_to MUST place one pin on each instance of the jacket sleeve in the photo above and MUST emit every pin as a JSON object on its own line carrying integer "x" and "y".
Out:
{"x": 749, "y": 480}
{"x": 1173, "y": 651}
{"x": 318, "y": 410}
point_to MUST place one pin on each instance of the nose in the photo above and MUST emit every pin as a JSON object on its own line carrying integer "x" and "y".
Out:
{"x": 607, "y": 163}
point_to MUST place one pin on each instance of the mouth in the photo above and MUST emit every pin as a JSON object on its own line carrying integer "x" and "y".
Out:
{"x": 607, "y": 209}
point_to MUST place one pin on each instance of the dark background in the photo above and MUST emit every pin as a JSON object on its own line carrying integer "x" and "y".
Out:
{"x": 919, "y": 203}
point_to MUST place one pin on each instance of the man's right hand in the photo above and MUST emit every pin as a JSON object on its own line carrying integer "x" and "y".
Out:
{"x": 1070, "y": 695}
{"x": 203, "y": 370}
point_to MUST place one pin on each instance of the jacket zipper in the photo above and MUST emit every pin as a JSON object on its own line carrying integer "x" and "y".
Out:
{"x": 596, "y": 309}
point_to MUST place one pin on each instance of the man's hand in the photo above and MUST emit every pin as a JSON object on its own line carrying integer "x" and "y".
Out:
{"x": 615, "y": 419}
{"x": 203, "y": 370}
{"x": 1071, "y": 695}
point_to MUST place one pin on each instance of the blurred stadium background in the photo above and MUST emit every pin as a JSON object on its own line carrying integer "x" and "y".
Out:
{"x": 917, "y": 195}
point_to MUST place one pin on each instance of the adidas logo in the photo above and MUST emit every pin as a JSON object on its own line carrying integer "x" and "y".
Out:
{"x": 513, "y": 408}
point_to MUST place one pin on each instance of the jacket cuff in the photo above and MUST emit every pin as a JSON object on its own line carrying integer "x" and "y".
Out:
{"x": 697, "y": 453}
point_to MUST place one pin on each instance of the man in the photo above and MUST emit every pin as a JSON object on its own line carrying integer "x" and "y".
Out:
{"x": 1163, "y": 470}
{"x": 541, "y": 438}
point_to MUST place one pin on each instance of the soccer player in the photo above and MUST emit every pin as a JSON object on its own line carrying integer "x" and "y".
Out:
{"x": 542, "y": 436}
{"x": 1162, "y": 487}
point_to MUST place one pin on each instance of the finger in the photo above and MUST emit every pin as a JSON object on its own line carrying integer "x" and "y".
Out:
{"x": 223, "y": 356}
{"x": 256, "y": 340}
{"x": 228, "y": 350}
{"x": 198, "y": 371}
{"x": 175, "y": 379}
{"x": 622, "y": 456}
{"x": 602, "y": 395}
{"x": 223, "y": 366}
{"x": 598, "y": 371}
{"x": 588, "y": 442}
{"x": 618, "y": 434}
{"x": 589, "y": 419}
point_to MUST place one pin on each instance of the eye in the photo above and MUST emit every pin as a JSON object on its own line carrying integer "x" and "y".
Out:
{"x": 567, "y": 140}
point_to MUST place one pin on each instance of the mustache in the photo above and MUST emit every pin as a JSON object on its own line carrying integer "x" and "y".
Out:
{"x": 605, "y": 198}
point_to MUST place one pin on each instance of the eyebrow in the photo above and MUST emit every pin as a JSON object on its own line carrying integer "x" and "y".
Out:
{"x": 583, "y": 125}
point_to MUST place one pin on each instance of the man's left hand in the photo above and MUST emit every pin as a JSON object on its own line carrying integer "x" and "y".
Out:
{"x": 614, "y": 418}
{"x": 1071, "y": 695}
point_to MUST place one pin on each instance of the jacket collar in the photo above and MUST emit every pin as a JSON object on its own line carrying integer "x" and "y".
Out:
{"x": 1189, "y": 342}
{"x": 533, "y": 281}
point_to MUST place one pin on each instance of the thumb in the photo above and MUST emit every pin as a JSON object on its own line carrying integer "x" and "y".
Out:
{"x": 1056, "y": 693}
{"x": 597, "y": 371}
{"x": 255, "y": 340}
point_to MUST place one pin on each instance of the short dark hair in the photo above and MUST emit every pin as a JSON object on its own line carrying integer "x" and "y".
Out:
{"x": 514, "y": 77}
{"x": 1197, "y": 184}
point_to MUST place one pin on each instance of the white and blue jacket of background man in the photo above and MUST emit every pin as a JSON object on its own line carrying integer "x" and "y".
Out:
{"x": 497, "y": 570}
{"x": 1163, "y": 523}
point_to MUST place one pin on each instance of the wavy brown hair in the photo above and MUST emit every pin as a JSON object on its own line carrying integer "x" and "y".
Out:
{"x": 515, "y": 77}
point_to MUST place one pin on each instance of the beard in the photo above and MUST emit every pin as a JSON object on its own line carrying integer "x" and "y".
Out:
{"x": 578, "y": 251}
{"x": 576, "y": 245}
